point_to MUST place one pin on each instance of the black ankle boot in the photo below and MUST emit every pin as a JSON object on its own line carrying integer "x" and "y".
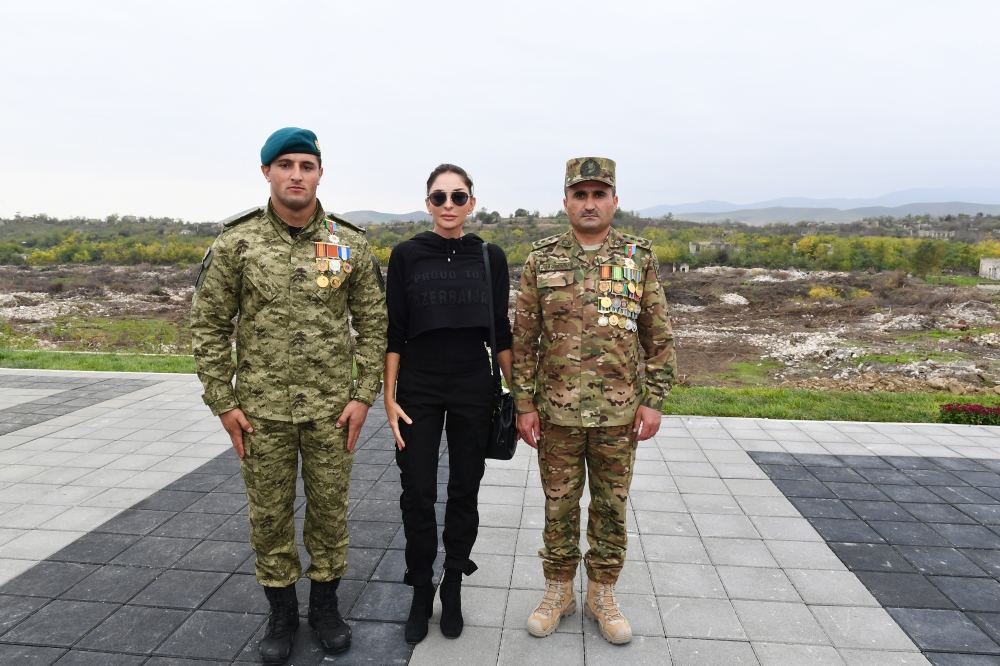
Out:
{"x": 276, "y": 645}
{"x": 452, "y": 622}
{"x": 421, "y": 609}
{"x": 324, "y": 617}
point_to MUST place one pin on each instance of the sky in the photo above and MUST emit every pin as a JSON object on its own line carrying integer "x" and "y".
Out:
{"x": 160, "y": 108}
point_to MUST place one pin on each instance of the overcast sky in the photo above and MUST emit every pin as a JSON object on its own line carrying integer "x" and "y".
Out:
{"x": 160, "y": 108}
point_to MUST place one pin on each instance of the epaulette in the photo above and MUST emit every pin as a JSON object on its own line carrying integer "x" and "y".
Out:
{"x": 644, "y": 243}
{"x": 248, "y": 214}
{"x": 350, "y": 225}
{"x": 542, "y": 242}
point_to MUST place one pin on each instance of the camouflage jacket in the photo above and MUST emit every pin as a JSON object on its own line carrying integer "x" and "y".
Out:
{"x": 294, "y": 347}
{"x": 572, "y": 365}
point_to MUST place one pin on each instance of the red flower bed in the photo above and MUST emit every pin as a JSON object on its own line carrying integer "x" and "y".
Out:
{"x": 970, "y": 414}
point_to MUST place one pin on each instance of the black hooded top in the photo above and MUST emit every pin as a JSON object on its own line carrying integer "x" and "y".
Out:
{"x": 437, "y": 301}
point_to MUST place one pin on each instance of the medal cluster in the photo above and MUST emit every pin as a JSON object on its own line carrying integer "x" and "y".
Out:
{"x": 620, "y": 293}
{"x": 332, "y": 260}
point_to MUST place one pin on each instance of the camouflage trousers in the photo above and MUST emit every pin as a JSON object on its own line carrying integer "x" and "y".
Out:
{"x": 607, "y": 456}
{"x": 270, "y": 468}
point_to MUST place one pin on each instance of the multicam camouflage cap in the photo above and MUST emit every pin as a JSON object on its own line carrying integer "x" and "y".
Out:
{"x": 580, "y": 169}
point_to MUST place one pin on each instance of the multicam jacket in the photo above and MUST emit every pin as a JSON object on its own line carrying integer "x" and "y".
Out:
{"x": 571, "y": 364}
{"x": 294, "y": 348}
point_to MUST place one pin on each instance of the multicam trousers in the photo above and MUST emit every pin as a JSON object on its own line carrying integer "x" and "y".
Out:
{"x": 270, "y": 469}
{"x": 609, "y": 455}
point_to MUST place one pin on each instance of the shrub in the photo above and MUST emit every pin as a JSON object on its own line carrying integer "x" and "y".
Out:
{"x": 969, "y": 414}
{"x": 823, "y": 293}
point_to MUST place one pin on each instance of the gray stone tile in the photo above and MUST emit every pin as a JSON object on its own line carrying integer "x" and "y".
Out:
{"x": 941, "y": 561}
{"x": 656, "y": 501}
{"x": 152, "y": 551}
{"x": 784, "y": 528}
{"x": 830, "y": 588}
{"x": 804, "y": 555}
{"x": 702, "y": 652}
{"x": 685, "y": 617}
{"x": 716, "y": 504}
{"x": 771, "y": 621}
{"x": 518, "y": 647}
{"x": 757, "y": 583}
{"x": 970, "y": 594}
{"x": 133, "y": 629}
{"x": 28, "y": 655}
{"x": 13, "y": 609}
{"x": 642, "y": 650}
{"x": 60, "y": 623}
{"x": 739, "y": 552}
{"x": 910, "y": 590}
{"x": 942, "y": 630}
{"x": 686, "y": 580}
{"x": 779, "y": 654}
{"x": 864, "y": 628}
{"x": 481, "y": 607}
{"x": 664, "y": 548}
{"x": 211, "y": 635}
{"x": 733, "y": 527}
{"x": 478, "y": 646}
{"x": 854, "y": 657}
{"x": 659, "y": 522}
{"x": 381, "y": 602}
{"x": 48, "y": 579}
{"x": 767, "y": 506}
{"x": 112, "y": 583}
{"x": 180, "y": 589}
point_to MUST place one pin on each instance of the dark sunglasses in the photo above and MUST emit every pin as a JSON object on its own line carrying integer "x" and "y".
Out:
{"x": 439, "y": 198}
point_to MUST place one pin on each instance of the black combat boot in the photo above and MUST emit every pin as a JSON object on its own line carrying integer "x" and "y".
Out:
{"x": 452, "y": 622}
{"x": 324, "y": 617}
{"x": 276, "y": 645}
{"x": 421, "y": 609}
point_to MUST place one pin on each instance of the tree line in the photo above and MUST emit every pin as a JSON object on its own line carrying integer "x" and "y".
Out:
{"x": 42, "y": 241}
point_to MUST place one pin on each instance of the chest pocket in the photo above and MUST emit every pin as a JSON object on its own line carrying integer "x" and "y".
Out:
{"x": 257, "y": 291}
{"x": 553, "y": 279}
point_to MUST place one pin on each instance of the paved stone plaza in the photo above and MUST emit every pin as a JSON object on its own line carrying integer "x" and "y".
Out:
{"x": 123, "y": 540}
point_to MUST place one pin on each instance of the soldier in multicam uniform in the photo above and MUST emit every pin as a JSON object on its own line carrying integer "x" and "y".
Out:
{"x": 294, "y": 393}
{"x": 589, "y": 298}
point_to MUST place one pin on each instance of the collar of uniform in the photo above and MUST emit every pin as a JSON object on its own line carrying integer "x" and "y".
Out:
{"x": 612, "y": 242}
{"x": 281, "y": 227}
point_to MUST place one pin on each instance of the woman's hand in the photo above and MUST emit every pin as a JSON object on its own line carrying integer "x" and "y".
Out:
{"x": 393, "y": 413}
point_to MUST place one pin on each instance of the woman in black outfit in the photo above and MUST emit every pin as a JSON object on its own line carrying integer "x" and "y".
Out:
{"x": 437, "y": 365}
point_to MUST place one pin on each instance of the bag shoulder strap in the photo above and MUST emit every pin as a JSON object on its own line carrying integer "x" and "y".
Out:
{"x": 493, "y": 327}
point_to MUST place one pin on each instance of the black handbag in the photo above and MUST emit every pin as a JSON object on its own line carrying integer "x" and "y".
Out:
{"x": 503, "y": 429}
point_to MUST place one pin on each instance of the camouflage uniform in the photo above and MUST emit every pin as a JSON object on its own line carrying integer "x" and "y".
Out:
{"x": 583, "y": 380}
{"x": 294, "y": 354}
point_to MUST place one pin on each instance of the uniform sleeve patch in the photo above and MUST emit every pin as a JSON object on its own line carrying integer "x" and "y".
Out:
{"x": 206, "y": 261}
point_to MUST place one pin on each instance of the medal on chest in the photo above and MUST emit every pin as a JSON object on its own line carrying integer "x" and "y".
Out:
{"x": 332, "y": 259}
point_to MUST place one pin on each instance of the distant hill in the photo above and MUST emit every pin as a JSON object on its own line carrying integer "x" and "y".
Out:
{"x": 927, "y": 201}
{"x": 375, "y": 217}
{"x": 778, "y": 214}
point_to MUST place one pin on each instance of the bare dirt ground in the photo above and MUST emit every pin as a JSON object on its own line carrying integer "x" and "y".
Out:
{"x": 734, "y": 327}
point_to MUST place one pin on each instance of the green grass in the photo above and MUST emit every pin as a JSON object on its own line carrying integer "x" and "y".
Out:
{"x": 746, "y": 372}
{"x": 939, "y": 334}
{"x": 785, "y": 403}
{"x": 49, "y": 360}
{"x": 144, "y": 336}
{"x": 958, "y": 280}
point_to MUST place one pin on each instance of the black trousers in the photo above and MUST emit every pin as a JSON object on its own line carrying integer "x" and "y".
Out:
{"x": 461, "y": 404}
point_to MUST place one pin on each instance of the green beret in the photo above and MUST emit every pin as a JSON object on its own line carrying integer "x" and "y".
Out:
{"x": 600, "y": 169}
{"x": 289, "y": 140}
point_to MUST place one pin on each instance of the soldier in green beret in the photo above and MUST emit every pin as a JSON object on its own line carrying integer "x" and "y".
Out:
{"x": 296, "y": 280}
{"x": 589, "y": 300}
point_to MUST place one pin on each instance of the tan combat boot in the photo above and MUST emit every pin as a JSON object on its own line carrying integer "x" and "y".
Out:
{"x": 602, "y": 606}
{"x": 558, "y": 600}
